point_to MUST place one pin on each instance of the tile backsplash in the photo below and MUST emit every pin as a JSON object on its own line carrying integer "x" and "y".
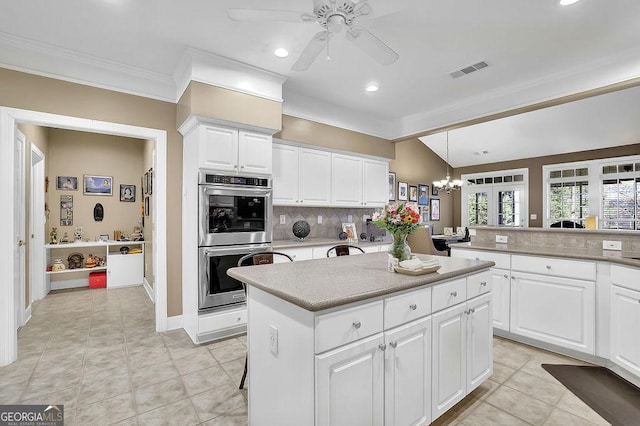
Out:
{"x": 332, "y": 220}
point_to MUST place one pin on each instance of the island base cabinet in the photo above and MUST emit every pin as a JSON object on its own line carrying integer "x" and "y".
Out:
{"x": 350, "y": 384}
{"x": 625, "y": 323}
{"x": 555, "y": 310}
{"x": 407, "y": 374}
{"x": 501, "y": 281}
{"x": 479, "y": 341}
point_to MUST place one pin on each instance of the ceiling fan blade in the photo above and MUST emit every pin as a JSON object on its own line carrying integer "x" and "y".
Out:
{"x": 311, "y": 52}
{"x": 258, "y": 15}
{"x": 372, "y": 45}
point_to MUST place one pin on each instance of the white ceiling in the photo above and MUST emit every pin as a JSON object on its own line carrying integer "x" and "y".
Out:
{"x": 536, "y": 51}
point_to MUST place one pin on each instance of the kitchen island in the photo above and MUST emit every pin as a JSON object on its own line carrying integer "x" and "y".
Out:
{"x": 343, "y": 341}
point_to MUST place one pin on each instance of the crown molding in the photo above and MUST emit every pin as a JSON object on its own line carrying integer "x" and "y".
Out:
{"x": 47, "y": 60}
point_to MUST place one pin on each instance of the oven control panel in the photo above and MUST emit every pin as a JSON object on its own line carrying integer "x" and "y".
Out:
{"x": 236, "y": 180}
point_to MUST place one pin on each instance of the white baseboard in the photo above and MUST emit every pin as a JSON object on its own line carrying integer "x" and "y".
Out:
{"x": 149, "y": 289}
{"x": 175, "y": 323}
{"x": 26, "y": 316}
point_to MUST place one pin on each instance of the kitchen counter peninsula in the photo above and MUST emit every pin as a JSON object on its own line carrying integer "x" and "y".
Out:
{"x": 344, "y": 341}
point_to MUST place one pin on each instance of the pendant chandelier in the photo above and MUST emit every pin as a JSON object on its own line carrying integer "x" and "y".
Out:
{"x": 447, "y": 184}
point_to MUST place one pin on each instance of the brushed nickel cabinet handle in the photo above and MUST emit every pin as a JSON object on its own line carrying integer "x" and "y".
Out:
{"x": 413, "y": 306}
{"x": 382, "y": 346}
{"x": 357, "y": 324}
{"x": 393, "y": 344}
{"x": 483, "y": 283}
{"x": 454, "y": 294}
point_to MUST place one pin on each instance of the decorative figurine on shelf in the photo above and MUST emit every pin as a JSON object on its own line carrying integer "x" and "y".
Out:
{"x": 136, "y": 235}
{"x": 79, "y": 232}
{"x": 53, "y": 236}
{"x": 75, "y": 260}
{"x": 65, "y": 238}
{"x": 91, "y": 261}
{"x": 99, "y": 260}
{"x": 58, "y": 265}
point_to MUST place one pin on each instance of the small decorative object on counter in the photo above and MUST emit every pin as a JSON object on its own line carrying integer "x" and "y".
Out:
{"x": 75, "y": 260}
{"x": 400, "y": 220}
{"x": 100, "y": 261}
{"x": 53, "y": 236}
{"x": 91, "y": 262}
{"x": 363, "y": 236}
{"x": 342, "y": 235}
{"x": 124, "y": 249}
{"x": 301, "y": 229}
{"x": 58, "y": 265}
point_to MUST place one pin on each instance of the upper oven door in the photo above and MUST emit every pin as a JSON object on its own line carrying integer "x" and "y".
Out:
{"x": 237, "y": 215}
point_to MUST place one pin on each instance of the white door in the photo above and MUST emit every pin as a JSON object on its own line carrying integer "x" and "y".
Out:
{"x": 346, "y": 181}
{"x": 254, "y": 153}
{"x": 19, "y": 228}
{"x": 625, "y": 323}
{"x": 479, "y": 341}
{"x": 407, "y": 375}
{"x": 218, "y": 148}
{"x": 314, "y": 170}
{"x": 375, "y": 186}
{"x": 350, "y": 384}
{"x": 449, "y": 361}
{"x": 37, "y": 221}
{"x": 501, "y": 282}
{"x": 554, "y": 310}
{"x": 285, "y": 175}
{"x": 495, "y": 205}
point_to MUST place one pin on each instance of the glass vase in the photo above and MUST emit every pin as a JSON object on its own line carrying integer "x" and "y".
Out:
{"x": 398, "y": 251}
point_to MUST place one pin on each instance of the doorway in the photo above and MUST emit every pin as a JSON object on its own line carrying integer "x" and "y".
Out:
{"x": 37, "y": 220}
{"x": 9, "y": 117}
{"x": 19, "y": 255}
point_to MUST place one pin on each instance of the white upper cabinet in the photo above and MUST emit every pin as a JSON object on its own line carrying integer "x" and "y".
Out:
{"x": 285, "y": 174}
{"x": 375, "y": 183}
{"x": 314, "y": 171}
{"x": 346, "y": 180}
{"x": 234, "y": 151}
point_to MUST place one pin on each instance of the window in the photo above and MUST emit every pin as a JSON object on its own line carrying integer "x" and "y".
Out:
{"x": 495, "y": 198}
{"x": 608, "y": 189}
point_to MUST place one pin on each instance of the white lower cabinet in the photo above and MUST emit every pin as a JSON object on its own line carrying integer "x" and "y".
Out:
{"x": 125, "y": 270}
{"x": 407, "y": 374}
{"x": 625, "y": 318}
{"x": 501, "y": 280}
{"x": 479, "y": 340}
{"x": 350, "y": 384}
{"x": 555, "y": 310}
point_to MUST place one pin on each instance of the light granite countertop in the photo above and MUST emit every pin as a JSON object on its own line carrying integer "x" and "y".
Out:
{"x": 326, "y": 283}
{"x": 315, "y": 242}
{"x": 620, "y": 257}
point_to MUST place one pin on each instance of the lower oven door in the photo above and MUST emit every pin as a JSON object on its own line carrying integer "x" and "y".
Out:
{"x": 216, "y": 288}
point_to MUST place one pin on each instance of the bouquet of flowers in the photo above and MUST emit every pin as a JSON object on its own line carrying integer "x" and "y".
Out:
{"x": 397, "y": 218}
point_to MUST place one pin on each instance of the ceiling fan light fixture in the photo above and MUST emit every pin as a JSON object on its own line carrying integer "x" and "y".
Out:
{"x": 568, "y": 2}
{"x": 281, "y": 52}
{"x": 335, "y": 23}
{"x": 373, "y": 87}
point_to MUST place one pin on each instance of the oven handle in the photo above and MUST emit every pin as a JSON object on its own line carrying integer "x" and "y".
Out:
{"x": 236, "y": 250}
{"x": 225, "y": 190}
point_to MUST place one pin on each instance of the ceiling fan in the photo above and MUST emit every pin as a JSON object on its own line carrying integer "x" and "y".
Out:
{"x": 333, "y": 16}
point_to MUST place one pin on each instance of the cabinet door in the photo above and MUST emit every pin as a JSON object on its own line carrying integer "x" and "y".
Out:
{"x": 125, "y": 270}
{"x": 501, "y": 281}
{"x": 479, "y": 341}
{"x": 407, "y": 375}
{"x": 314, "y": 170}
{"x": 448, "y": 361}
{"x": 375, "y": 186}
{"x": 350, "y": 384}
{"x": 346, "y": 181}
{"x": 625, "y": 323}
{"x": 555, "y": 310}
{"x": 218, "y": 148}
{"x": 254, "y": 153}
{"x": 285, "y": 175}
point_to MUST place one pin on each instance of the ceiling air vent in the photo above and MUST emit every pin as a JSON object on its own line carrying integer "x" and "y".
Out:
{"x": 468, "y": 69}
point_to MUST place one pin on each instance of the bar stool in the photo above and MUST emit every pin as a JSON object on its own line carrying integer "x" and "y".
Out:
{"x": 343, "y": 250}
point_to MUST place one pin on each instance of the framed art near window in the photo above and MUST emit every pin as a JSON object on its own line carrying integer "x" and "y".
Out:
{"x": 392, "y": 186}
{"x": 403, "y": 189}
{"x": 435, "y": 209}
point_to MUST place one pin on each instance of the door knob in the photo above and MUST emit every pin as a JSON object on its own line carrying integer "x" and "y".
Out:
{"x": 21, "y": 243}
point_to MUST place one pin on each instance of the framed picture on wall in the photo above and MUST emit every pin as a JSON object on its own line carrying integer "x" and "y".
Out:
{"x": 434, "y": 190}
{"x": 146, "y": 206}
{"x": 67, "y": 183}
{"x": 424, "y": 214}
{"x": 145, "y": 183}
{"x": 435, "y": 209}
{"x": 413, "y": 193}
{"x": 403, "y": 191}
{"x": 128, "y": 193}
{"x": 150, "y": 181}
{"x": 423, "y": 194}
{"x": 392, "y": 186}
{"x": 98, "y": 185}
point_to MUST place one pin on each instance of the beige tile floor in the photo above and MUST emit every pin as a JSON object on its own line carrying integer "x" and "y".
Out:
{"x": 96, "y": 352}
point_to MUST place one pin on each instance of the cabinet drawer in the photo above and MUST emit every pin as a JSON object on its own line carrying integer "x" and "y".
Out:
{"x": 449, "y": 294}
{"x": 625, "y": 277}
{"x": 406, "y": 307}
{"x": 479, "y": 284}
{"x": 345, "y": 326}
{"x": 557, "y": 267}
{"x": 214, "y": 322}
{"x": 302, "y": 253}
{"x": 502, "y": 260}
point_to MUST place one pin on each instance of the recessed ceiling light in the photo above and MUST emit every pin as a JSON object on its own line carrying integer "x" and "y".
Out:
{"x": 568, "y": 2}
{"x": 372, "y": 88}
{"x": 281, "y": 52}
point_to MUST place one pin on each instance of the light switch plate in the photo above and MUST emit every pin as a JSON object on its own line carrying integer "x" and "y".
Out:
{"x": 534, "y": 216}
{"x": 283, "y": 219}
{"x": 501, "y": 238}
{"x": 350, "y": 218}
{"x": 319, "y": 219}
{"x": 611, "y": 245}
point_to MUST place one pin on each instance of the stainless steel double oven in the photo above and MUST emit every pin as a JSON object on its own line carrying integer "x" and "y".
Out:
{"x": 235, "y": 219}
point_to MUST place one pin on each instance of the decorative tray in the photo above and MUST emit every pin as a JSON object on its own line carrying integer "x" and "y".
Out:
{"x": 421, "y": 271}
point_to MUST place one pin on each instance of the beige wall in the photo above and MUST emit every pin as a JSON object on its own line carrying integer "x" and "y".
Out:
{"x": 535, "y": 174}
{"x": 417, "y": 164}
{"x": 313, "y": 133}
{"x": 225, "y": 104}
{"x": 21, "y": 90}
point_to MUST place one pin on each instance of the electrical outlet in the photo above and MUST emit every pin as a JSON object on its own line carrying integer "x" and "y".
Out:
{"x": 350, "y": 218}
{"x": 273, "y": 339}
{"x": 501, "y": 238}
{"x": 365, "y": 217}
{"x": 534, "y": 216}
{"x": 472, "y": 232}
{"x": 611, "y": 245}
{"x": 283, "y": 219}
{"x": 319, "y": 219}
